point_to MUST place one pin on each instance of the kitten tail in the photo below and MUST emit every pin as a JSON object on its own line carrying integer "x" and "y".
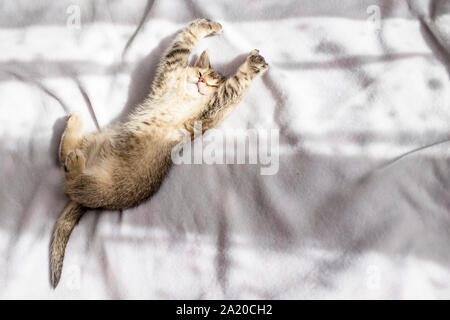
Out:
{"x": 64, "y": 226}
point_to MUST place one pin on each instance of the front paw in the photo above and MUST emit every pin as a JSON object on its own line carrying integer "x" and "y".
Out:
{"x": 256, "y": 63}
{"x": 206, "y": 27}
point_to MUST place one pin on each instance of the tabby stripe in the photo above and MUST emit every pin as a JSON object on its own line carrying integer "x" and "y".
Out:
{"x": 244, "y": 75}
{"x": 236, "y": 78}
{"x": 188, "y": 41}
{"x": 172, "y": 62}
{"x": 225, "y": 93}
{"x": 175, "y": 52}
{"x": 192, "y": 35}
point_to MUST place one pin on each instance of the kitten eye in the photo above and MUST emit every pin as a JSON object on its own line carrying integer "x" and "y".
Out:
{"x": 200, "y": 73}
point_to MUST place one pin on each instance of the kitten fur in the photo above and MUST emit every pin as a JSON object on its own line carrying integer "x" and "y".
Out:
{"x": 121, "y": 165}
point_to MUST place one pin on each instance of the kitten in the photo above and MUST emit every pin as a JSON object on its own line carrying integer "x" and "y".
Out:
{"x": 122, "y": 165}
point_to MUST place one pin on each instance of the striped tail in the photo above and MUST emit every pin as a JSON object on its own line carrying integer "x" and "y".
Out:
{"x": 64, "y": 226}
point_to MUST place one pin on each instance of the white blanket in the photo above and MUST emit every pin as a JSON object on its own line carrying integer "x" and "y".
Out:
{"x": 357, "y": 209}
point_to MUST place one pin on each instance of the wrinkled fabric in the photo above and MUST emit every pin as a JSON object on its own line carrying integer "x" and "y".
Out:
{"x": 359, "y": 92}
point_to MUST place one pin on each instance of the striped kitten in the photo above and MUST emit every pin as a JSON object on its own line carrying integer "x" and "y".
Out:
{"x": 122, "y": 165}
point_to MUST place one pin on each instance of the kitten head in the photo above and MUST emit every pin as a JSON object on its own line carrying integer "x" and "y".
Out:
{"x": 201, "y": 79}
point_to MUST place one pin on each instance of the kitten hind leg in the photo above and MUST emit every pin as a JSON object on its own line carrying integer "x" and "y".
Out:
{"x": 71, "y": 137}
{"x": 74, "y": 164}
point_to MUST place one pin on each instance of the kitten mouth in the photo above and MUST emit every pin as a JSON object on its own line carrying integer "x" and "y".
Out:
{"x": 198, "y": 88}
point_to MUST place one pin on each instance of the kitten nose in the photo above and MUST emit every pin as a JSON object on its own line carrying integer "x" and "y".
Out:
{"x": 201, "y": 79}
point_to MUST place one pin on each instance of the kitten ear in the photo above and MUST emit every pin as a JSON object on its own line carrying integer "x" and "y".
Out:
{"x": 203, "y": 60}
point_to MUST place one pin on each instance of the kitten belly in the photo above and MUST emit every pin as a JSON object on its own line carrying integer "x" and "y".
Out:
{"x": 138, "y": 180}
